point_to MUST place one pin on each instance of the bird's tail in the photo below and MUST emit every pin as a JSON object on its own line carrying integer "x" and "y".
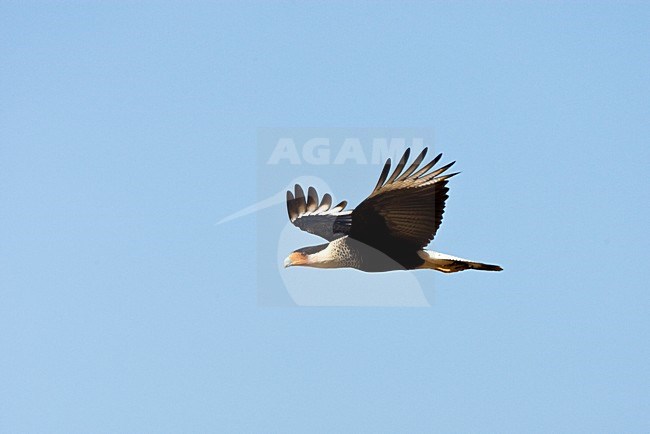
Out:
{"x": 451, "y": 264}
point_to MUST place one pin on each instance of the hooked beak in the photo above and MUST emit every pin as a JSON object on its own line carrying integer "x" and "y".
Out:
{"x": 295, "y": 259}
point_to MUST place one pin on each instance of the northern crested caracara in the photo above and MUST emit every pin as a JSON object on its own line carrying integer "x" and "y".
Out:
{"x": 389, "y": 230}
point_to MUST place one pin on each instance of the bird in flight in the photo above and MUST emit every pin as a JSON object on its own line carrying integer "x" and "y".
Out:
{"x": 389, "y": 230}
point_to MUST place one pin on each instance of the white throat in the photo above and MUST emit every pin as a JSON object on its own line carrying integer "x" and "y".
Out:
{"x": 326, "y": 258}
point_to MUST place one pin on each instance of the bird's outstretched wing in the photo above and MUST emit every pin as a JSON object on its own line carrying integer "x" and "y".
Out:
{"x": 405, "y": 209}
{"x": 326, "y": 221}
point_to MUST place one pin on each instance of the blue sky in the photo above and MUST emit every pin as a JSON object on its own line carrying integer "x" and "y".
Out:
{"x": 127, "y": 130}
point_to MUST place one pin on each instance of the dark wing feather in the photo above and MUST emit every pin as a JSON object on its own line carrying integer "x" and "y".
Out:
{"x": 322, "y": 219}
{"x": 405, "y": 210}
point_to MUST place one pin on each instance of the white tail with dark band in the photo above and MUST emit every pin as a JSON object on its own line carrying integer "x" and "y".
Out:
{"x": 451, "y": 264}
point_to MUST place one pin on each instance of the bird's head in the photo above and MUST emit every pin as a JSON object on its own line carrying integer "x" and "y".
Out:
{"x": 312, "y": 256}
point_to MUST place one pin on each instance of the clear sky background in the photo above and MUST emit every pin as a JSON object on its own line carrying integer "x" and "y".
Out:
{"x": 127, "y": 130}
